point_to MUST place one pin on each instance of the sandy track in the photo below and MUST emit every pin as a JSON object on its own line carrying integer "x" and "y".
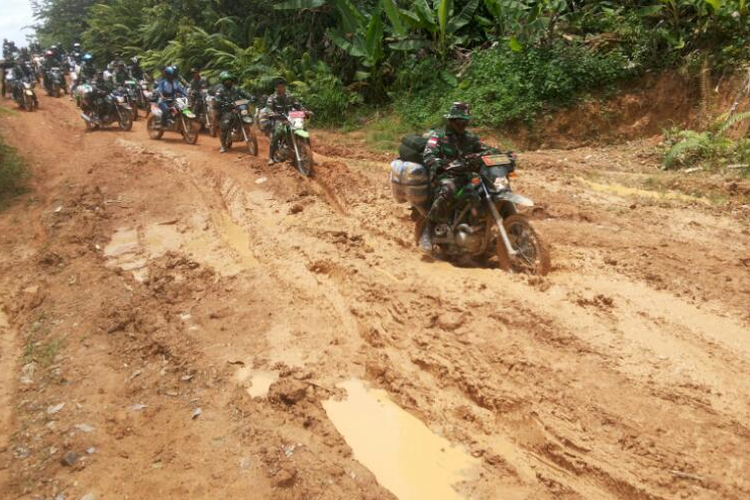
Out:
{"x": 621, "y": 375}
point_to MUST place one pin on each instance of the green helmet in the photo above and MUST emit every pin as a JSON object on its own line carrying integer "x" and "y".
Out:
{"x": 459, "y": 111}
{"x": 225, "y": 75}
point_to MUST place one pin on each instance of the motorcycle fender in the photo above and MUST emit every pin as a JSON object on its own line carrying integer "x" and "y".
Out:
{"x": 247, "y": 119}
{"x": 302, "y": 133}
{"x": 28, "y": 92}
{"x": 189, "y": 114}
{"x": 516, "y": 199}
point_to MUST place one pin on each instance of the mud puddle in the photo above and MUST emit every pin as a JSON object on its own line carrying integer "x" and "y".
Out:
{"x": 404, "y": 455}
{"x": 216, "y": 241}
{"x": 256, "y": 382}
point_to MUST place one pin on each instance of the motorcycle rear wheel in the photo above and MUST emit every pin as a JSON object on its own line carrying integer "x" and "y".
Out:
{"x": 533, "y": 256}
{"x": 153, "y": 127}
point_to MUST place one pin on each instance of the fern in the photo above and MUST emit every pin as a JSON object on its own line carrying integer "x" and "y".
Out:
{"x": 732, "y": 121}
{"x": 691, "y": 144}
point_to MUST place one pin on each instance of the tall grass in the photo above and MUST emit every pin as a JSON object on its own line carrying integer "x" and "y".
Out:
{"x": 14, "y": 173}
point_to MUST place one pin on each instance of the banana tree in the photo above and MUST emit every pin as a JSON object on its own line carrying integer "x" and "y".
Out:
{"x": 438, "y": 19}
{"x": 360, "y": 35}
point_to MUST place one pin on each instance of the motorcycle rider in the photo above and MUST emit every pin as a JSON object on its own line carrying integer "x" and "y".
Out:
{"x": 77, "y": 53}
{"x": 226, "y": 94}
{"x": 444, "y": 157}
{"x": 167, "y": 89}
{"x": 101, "y": 88}
{"x": 279, "y": 103}
{"x": 88, "y": 70}
{"x": 135, "y": 70}
{"x": 119, "y": 73}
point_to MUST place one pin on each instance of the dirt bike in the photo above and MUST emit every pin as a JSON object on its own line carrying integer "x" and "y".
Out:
{"x": 485, "y": 222}
{"x": 294, "y": 141}
{"x": 241, "y": 123}
{"x": 55, "y": 82}
{"x": 25, "y": 96}
{"x": 132, "y": 90}
{"x": 112, "y": 108}
{"x": 181, "y": 119}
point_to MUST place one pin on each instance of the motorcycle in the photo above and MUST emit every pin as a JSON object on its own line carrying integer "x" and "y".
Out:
{"x": 241, "y": 126}
{"x": 485, "y": 221}
{"x": 55, "y": 82}
{"x": 25, "y": 96}
{"x": 294, "y": 144}
{"x": 113, "y": 108}
{"x": 181, "y": 119}
{"x": 132, "y": 90}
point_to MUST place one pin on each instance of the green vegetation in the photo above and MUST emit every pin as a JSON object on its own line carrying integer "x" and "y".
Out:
{"x": 511, "y": 59}
{"x": 13, "y": 172}
{"x": 712, "y": 149}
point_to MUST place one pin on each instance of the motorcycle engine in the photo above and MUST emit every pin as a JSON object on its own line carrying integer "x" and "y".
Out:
{"x": 469, "y": 238}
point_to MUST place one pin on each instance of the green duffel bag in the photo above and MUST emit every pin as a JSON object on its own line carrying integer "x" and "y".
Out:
{"x": 411, "y": 148}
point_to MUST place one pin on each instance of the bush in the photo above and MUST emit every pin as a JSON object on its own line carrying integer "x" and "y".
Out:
{"x": 503, "y": 86}
{"x": 13, "y": 172}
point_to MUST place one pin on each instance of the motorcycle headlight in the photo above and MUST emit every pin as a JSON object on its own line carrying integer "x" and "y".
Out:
{"x": 501, "y": 183}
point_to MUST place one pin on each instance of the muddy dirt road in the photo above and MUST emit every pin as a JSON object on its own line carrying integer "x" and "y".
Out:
{"x": 177, "y": 323}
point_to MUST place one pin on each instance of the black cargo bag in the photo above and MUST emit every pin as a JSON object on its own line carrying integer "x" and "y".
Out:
{"x": 412, "y": 148}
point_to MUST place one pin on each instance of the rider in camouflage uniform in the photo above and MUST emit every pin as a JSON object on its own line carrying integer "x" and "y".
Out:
{"x": 279, "y": 103}
{"x": 226, "y": 94}
{"x": 444, "y": 155}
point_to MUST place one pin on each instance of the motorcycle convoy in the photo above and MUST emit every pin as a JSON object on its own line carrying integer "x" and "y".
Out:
{"x": 485, "y": 221}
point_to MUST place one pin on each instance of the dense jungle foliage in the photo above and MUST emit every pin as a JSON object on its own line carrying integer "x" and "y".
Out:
{"x": 511, "y": 59}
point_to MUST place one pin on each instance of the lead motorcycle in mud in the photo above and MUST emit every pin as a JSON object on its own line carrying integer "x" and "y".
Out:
{"x": 181, "y": 120}
{"x": 112, "y": 108}
{"x": 241, "y": 123}
{"x": 485, "y": 222}
{"x": 294, "y": 143}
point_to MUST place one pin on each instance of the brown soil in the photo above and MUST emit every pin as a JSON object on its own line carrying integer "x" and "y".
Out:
{"x": 139, "y": 276}
{"x": 642, "y": 108}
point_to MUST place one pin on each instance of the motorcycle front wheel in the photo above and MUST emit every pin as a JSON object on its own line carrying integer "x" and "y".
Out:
{"x": 251, "y": 140}
{"x": 532, "y": 256}
{"x": 304, "y": 164}
{"x": 153, "y": 127}
{"x": 125, "y": 119}
{"x": 28, "y": 104}
{"x": 189, "y": 130}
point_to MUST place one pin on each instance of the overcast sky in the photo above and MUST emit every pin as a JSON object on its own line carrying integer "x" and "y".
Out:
{"x": 14, "y": 15}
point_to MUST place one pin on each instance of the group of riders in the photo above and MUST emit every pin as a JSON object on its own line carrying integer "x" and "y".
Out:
{"x": 443, "y": 155}
{"x": 25, "y": 65}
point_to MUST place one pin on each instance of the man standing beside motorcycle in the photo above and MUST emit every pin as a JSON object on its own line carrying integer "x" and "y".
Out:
{"x": 167, "y": 88}
{"x": 226, "y": 95}
{"x": 443, "y": 156}
{"x": 279, "y": 104}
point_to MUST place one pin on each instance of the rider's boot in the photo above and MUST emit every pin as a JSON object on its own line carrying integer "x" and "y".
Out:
{"x": 425, "y": 239}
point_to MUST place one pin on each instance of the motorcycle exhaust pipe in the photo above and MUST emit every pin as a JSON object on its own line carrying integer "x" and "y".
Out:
{"x": 87, "y": 118}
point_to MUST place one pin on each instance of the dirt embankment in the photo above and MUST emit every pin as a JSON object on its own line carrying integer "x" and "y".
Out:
{"x": 145, "y": 281}
{"x": 640, "y": 109}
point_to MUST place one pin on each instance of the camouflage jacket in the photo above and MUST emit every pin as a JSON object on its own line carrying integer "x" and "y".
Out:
{"x": 225, "y": 97}
{"x": 282, "y": 104}
{"x": 445, "y": 146}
